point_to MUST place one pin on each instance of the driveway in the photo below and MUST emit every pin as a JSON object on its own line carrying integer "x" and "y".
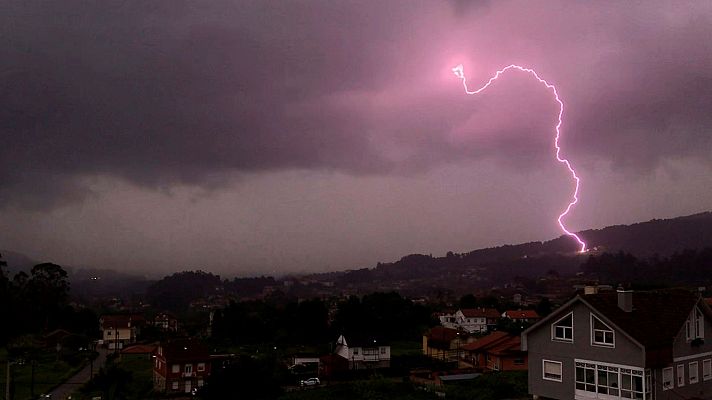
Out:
{"x": 65, "y": 389}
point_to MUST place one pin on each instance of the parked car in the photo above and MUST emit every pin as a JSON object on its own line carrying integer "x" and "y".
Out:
{"x": 310, "y": 382}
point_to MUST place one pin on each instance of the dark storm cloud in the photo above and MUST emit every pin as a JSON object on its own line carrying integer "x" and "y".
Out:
{"x": 177, "y": 92}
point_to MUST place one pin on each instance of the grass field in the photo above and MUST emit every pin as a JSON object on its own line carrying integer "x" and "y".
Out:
{"x": 48, "y": 373}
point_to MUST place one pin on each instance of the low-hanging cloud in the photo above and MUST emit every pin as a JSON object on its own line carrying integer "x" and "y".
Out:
{"x": 172, "y": 93}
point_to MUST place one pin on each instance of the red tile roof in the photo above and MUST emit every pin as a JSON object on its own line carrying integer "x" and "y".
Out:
{"x": 493, "y": 338}
{"x": 513, "y": 344}
{"x": 139, "y": 349}
{"x": 443, "y": 334}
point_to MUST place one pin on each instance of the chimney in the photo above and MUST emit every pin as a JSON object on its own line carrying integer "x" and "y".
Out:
{"x": 625, "y": 299}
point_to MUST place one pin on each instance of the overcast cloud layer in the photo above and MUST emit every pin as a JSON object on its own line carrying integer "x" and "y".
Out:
{"x": 129, "y": 100}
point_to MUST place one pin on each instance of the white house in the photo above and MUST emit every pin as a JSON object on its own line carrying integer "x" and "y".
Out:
{"x": 471, "y": 319}
{"x": 363, "y": 352}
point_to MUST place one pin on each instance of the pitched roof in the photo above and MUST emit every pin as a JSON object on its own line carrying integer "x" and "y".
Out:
{"x": 511, "y": 345}
{"x": 521, "y": 314}
{"x": 364, "y": 340}
{"x": 119, "y": 321}
{"x": 486, "y": 341}
{"x": 440, "y": 333}
{"x": 139, "y": 349}
{"x": 184, "y": 349}
{"x": 657, "y": 316}
{"x": 480, "y": 312}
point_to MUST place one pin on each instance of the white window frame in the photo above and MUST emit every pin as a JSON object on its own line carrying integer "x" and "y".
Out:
{"x": 707, "y": 369}
{"x": 175, "y": 368}
{"x": 201, "y": 367}
{"x": 174, "y": 385}
{"x": 680, "y": 375}
{"x": 553, "y": 329}
{"x": 668, "y": 370}
{"x": 188, "y": 368}
{"x": 695, "y": 325}
{"x": 543, "y": 370}
{"x": 693, "y": 367}
{"x": 593, "y": 334}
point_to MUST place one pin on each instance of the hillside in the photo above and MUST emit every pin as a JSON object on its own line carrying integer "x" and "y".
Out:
{"x": 485, "y": 267}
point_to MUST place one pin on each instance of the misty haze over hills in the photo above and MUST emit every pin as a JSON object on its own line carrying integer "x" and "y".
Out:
{"x": 660, "y": 237}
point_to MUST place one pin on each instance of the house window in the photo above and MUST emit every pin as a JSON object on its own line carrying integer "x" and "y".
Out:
{"x": 175, "y": 368}
{"x": 681, "y": 375}
{"x": 188, "y": 369}
{"x": 563, "y": 329}
{"x": 174, "y": 385}
{"x": 648, "y": 385}
{"x": 201, "y": 367}
{"x": 695, "y": 325}
{"x": 601, "y": 334}
{"x": 108, "y": 333}
{"x": 667, "y": 378}
{"x": 692, "y": 371}
{"x": 552, "y": 370}
{"x": 200, "y": 383}
{"x": 631, "y": 384}
{"x": 356, "y": 351}
{"x": 707, "y": 369}
{"x": 607, "y": 380}
{"x": 518, "y": 361}
{"x": 383, "y": 350}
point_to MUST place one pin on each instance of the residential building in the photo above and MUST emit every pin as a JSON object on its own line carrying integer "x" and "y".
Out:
{"x": 525, "y": 316}
{"x": 479, "y": 320}
{"x": 448, "y": 319}
{"x": 166, "y": 321}
{"x": 364, "y": 352}
{"x": 444, "y": 343}
{"x": 119, "y": 330}
{"x": 498, "y": 351}
{"x": 471, "y": 320}
{"x": 642, "y": 345}
{"x": 180, "y": 366}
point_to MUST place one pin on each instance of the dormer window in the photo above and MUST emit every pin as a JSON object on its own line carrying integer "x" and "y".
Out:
{"x": 601, "y": 334}
{"x": 695, "y": 325}
{"x": 563, "y": 329}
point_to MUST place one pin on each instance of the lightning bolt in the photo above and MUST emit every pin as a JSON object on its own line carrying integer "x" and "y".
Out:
{"x": 460, "y": 73}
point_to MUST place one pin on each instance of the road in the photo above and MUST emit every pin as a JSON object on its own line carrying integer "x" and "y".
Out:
{"x": 62, "y": 391}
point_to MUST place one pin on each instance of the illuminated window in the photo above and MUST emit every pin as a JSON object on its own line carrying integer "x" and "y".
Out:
{"x": 563, "y": 329}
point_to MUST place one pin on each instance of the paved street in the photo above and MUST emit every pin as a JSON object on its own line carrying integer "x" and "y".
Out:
{"x": 81, "y": 377}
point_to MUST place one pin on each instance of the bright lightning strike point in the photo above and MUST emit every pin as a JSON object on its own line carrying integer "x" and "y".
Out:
{"x": 460, "y": 73}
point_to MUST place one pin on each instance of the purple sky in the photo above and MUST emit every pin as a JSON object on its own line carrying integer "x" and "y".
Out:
{"x": 274, "y": 136}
